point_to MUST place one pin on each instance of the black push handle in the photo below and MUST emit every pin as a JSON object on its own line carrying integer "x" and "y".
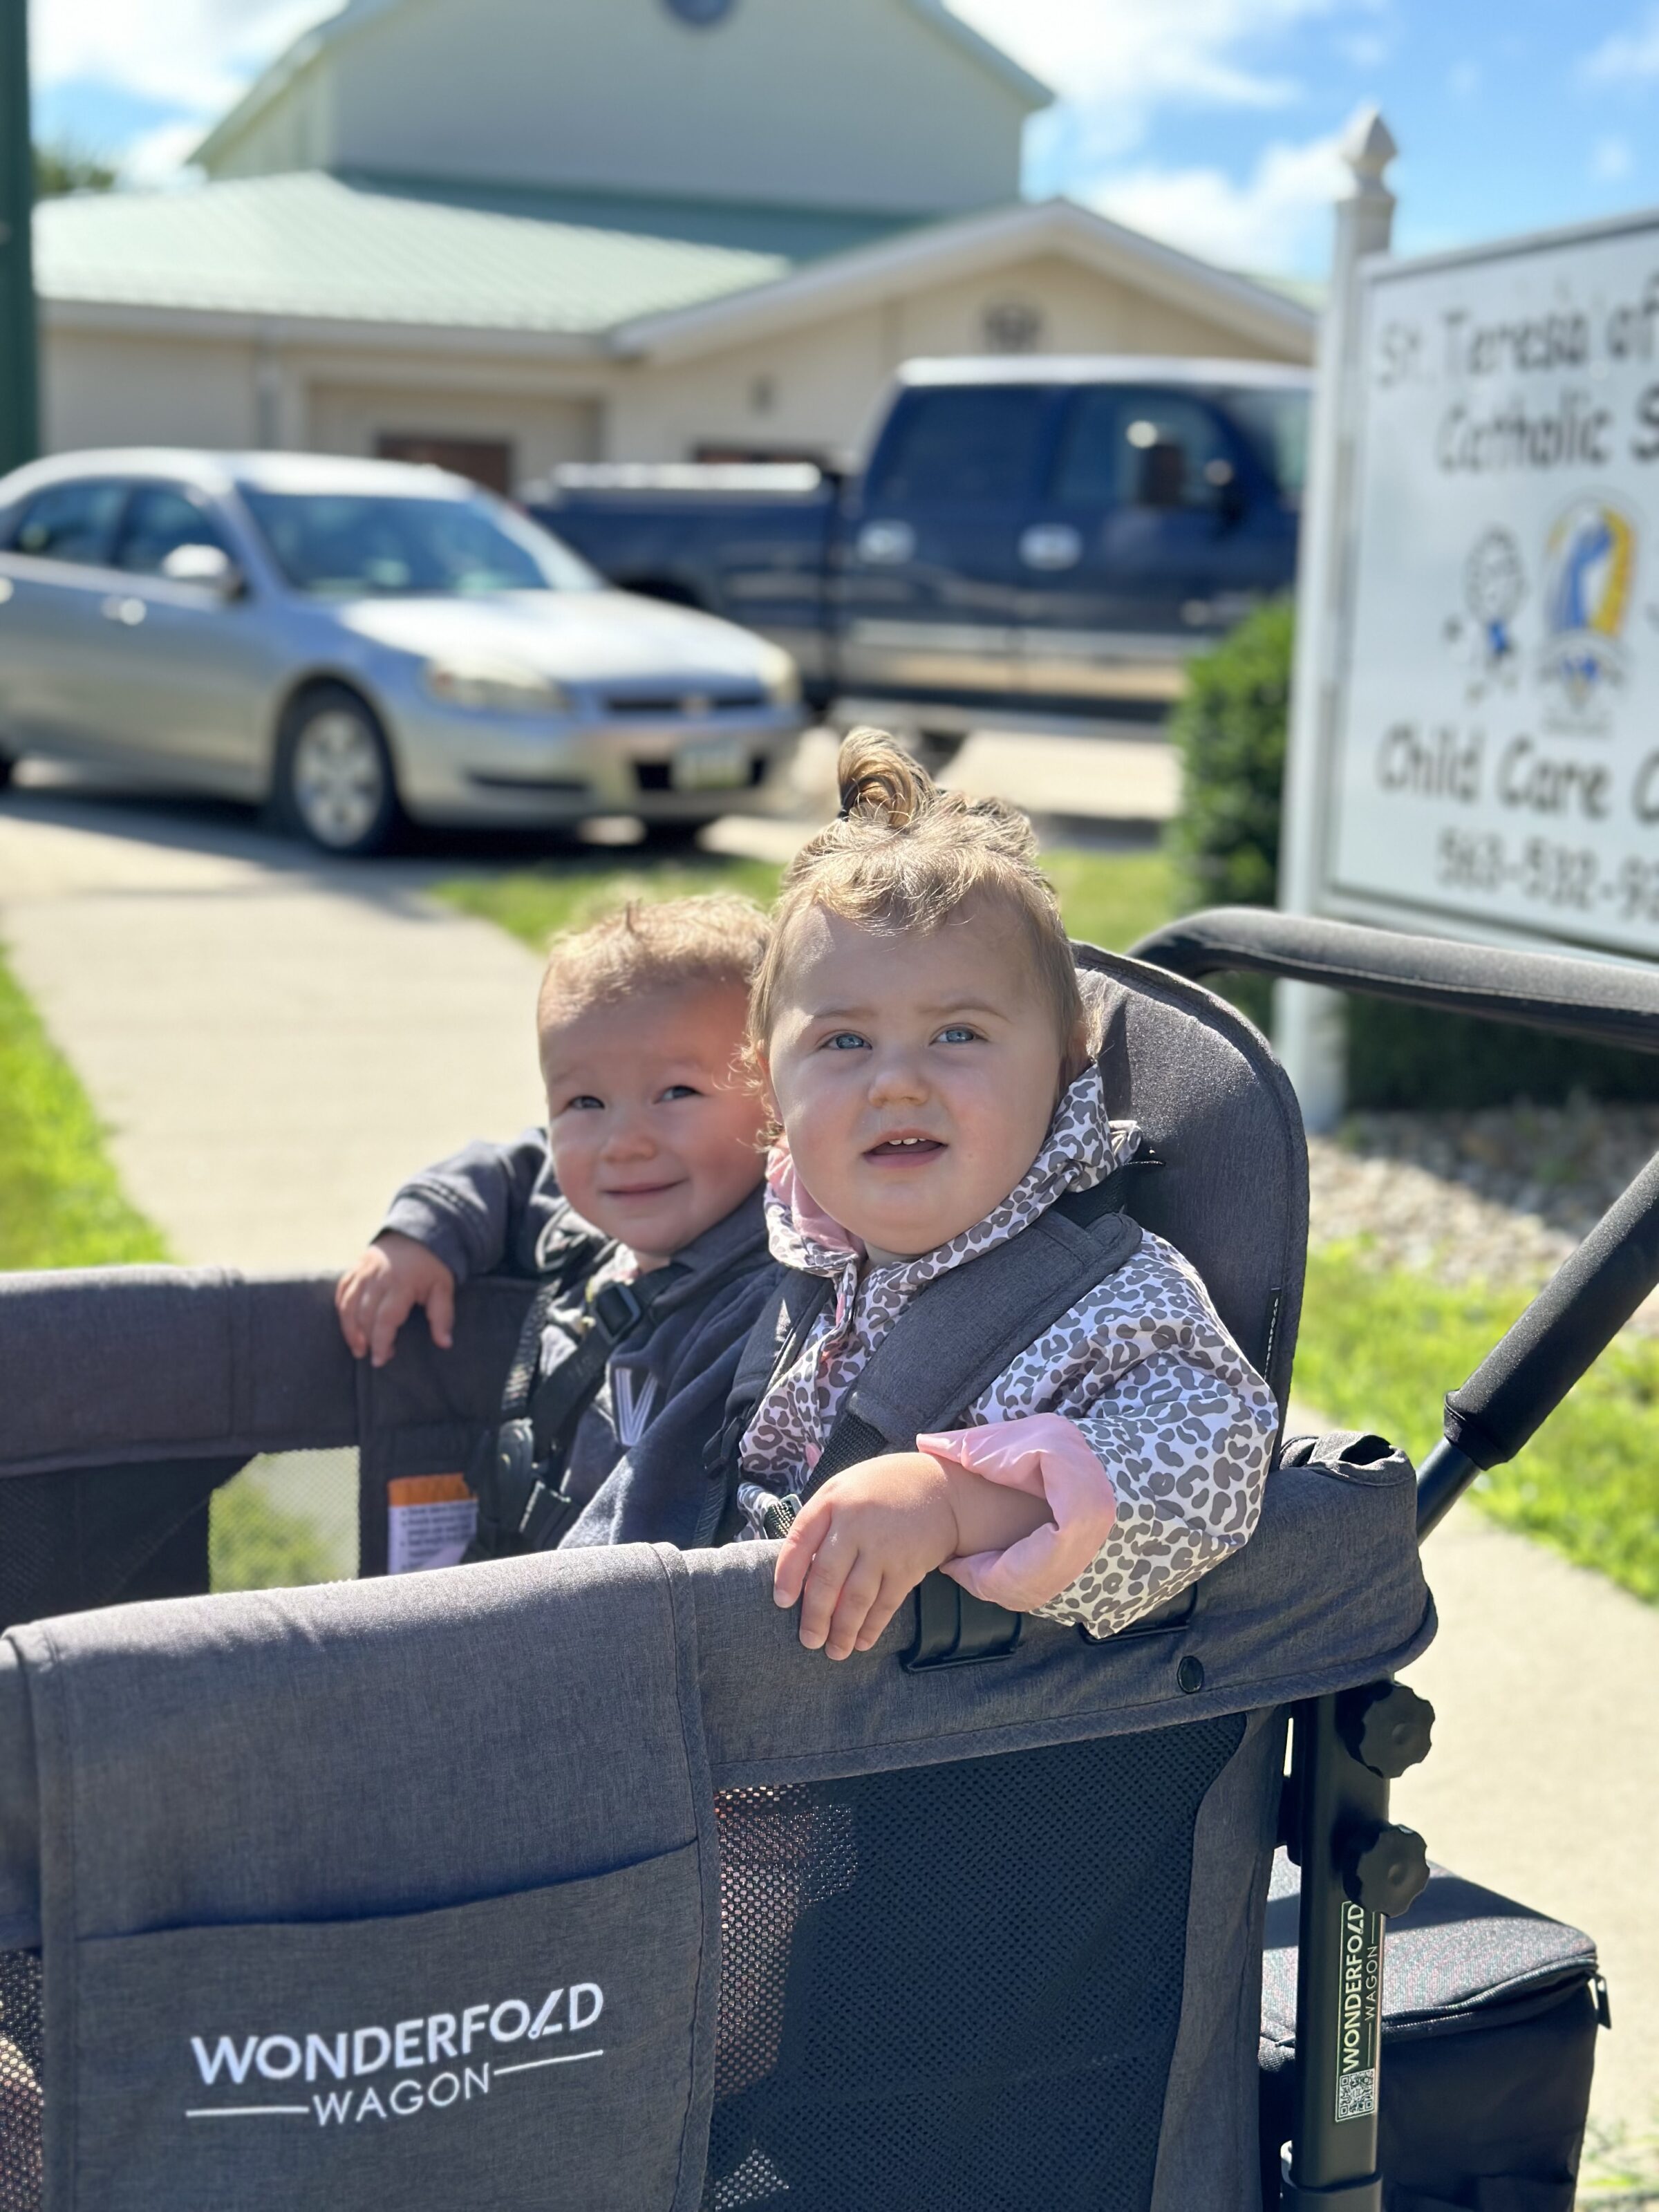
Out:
{"x": 1599, "y": 1000}
{"x": 1597, "y": 1288}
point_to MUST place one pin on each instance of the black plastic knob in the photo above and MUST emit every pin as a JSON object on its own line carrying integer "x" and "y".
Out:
{"x": 1385, "y": 1868}
{"x": 1385, "y": 1726}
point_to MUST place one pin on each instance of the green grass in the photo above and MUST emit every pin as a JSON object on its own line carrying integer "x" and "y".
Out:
{"x": 61, "y": 1203}
{"x": 62, "y": 1206}
{"x": 254, "y": 1545}
{"x": 532, "y": 903}
{"x": 1379, "y": 1350}
{"x": 1110, "y": 898}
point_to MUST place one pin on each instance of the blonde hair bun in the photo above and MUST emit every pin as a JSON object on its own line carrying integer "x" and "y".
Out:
{"x": 880, "y": 781}
{"x": 903, "y": 856}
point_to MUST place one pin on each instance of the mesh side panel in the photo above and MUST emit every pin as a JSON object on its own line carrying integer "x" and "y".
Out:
{"x": 288, "y": 1519}
{"x": 20, "y": 2081}
{"x": 94, "y": 1536}
{"x": 957, "y": 1985}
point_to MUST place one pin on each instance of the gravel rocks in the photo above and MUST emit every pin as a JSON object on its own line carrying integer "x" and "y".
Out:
{"x": 1500, "y": 1196}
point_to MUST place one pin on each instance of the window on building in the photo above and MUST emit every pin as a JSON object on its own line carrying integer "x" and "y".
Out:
{"x": 159, "y": 520}
{"x": 72, "y": 522}
{"x": 963, "y": 442}
{"x": 1127, "y": 448}
{"x": 488, "y": 461}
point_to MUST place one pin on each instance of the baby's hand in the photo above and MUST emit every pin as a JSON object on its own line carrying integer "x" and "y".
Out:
{"x": 381, "y": 1288}
{"x": 861, "y": 1546}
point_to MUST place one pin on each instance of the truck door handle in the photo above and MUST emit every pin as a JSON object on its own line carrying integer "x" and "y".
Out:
{"x": 120, "y": 609}
{"x": 884, "y": 543}
{"x": 1050, "y": 545}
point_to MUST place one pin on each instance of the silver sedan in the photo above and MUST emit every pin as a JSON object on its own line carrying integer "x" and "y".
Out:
{"x": 351, "y": 642}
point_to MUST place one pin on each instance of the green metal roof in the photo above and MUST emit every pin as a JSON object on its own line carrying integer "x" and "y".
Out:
{"x": 401, "y": 252}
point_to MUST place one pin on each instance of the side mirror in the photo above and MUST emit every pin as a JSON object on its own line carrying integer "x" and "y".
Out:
{"x": 207, "y": 565}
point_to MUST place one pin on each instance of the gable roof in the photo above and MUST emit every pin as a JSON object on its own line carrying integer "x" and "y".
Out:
{"x": 599, "y": 272}
{"x": 964, "y": 247}
{"x": 357, "y": 14}
{"x": 311, "y": 246}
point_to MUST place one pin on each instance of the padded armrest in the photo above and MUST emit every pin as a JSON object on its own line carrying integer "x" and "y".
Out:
{"x": 1599, "y": 1000}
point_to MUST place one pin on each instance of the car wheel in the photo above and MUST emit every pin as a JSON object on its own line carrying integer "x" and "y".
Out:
{"x": 334, "y": 778}
{"x": 678, "y": 836}
{"x": 7, "y": 764}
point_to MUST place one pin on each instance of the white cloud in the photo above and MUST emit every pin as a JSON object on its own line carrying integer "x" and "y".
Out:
{"x": 1625, "y": 54}
{"x": 1610, "y": 158}
{"x": 197, "y": 55}
{"x": 1114, "y": 62}
{"x": 1275, "y": 220}
{"x": 158, "y": 156}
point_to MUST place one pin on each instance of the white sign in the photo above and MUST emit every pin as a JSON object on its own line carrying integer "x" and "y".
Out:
{"x": 1496, "y": 768}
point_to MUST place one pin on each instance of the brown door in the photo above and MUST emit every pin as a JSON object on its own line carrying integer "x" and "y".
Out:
{"x": 488, "y": 461}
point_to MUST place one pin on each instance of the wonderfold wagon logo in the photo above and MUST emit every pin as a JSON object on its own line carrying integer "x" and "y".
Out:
{"x": 341, "y": 2077}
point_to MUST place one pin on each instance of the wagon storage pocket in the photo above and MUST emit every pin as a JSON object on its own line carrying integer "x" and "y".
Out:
{"x": 514, "y": 2051}
{"x": 389, "y": 1893}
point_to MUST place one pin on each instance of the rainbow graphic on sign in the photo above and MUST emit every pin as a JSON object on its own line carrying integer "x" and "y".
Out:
{"x": 1590, "y": 574}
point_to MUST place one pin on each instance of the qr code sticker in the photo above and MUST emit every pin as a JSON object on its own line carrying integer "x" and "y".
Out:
{"x": 1356, "y": 2094}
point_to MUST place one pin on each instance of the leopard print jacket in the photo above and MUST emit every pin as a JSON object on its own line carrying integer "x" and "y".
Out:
{"x": 1181, "y": 1424}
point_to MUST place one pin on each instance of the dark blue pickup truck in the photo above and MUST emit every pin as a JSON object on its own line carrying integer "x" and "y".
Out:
{"x": 1055, "y": 535}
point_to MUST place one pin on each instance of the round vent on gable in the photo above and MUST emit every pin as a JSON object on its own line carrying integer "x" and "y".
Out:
{"x": 700, "y": 12}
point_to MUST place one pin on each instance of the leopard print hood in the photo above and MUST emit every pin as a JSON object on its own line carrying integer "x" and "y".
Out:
{"x": 1083, "y": 1146}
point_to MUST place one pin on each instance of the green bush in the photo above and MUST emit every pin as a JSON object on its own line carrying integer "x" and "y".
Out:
{"x": 1229, "y": 732}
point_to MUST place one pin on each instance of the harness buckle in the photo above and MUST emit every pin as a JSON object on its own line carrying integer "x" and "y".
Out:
{"x": 619, "y": 1310}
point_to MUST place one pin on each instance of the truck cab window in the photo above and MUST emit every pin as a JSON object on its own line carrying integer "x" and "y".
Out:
{"x": 965, "y": 442}
{"x": 1275, "y": 423}
{"x": 1159, "y": 449}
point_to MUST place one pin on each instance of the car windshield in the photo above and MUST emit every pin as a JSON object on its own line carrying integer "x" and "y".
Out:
{"x": 1276, "y": 423}
{"x": 354, "y": 544}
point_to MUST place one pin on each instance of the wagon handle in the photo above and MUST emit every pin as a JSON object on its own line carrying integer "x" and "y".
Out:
{"x": 1597, "y": 1288}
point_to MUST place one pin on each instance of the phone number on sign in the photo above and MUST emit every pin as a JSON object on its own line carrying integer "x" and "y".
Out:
{"x": 1571, "y": 876}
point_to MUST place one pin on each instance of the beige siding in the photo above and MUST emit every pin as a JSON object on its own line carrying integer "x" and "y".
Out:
{"x": 100, "y": 390}
{"x": 817, "y": 387}
{"x": 542, "y": 433}
{"x": 838, "y": 103}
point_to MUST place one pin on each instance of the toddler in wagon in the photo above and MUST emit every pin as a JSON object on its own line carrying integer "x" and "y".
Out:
{"x": 923, "y": 1041}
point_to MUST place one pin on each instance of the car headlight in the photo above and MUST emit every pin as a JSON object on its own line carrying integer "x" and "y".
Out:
{"x": 493, "y": 687}
{"x": 781, "y": 677}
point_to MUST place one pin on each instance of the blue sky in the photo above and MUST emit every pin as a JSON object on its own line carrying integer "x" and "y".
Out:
{"x": 1210, "y": 122}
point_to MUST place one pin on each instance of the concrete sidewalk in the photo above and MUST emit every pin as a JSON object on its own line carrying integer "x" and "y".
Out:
{"x": 277, "y": 1042}
{"x": 273, "y": 1040}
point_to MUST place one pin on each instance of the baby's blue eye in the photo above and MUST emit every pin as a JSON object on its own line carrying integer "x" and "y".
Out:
{"x": 844, "y": 1040}
{"x": 958, "y": 1033}
{"x": 681, "y": 1091}
{"x": 585, "y": 1103}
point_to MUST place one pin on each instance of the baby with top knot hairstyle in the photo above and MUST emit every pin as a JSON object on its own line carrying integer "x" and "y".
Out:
{"x": 924, "y": 1045}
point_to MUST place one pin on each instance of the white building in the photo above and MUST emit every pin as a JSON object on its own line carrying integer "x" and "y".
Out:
{"x": 510, "y": 232}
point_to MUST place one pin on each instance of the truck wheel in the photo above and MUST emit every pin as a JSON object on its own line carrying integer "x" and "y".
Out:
{"x": 334, "y": 782}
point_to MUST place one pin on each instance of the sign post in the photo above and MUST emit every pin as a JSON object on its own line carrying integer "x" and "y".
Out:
{"x": 1308, "y": 1020}
{"x": 19, "y": 425}
{"x": 1474, "y": 734}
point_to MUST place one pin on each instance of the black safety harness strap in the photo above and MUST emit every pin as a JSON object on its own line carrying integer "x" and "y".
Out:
{"x": 944, "y": 1350}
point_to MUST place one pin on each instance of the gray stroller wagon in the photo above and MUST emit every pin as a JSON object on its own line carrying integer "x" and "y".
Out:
{"x": 572, "y": 1880}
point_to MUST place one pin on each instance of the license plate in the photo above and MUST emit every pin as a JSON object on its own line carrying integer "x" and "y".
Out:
{"x": 721, "y": 764}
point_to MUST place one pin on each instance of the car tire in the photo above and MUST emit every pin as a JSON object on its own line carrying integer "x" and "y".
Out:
{"x": 679, "y": 836}
{"x": 7, "y": 764}
{"x": 334, "y": 784}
